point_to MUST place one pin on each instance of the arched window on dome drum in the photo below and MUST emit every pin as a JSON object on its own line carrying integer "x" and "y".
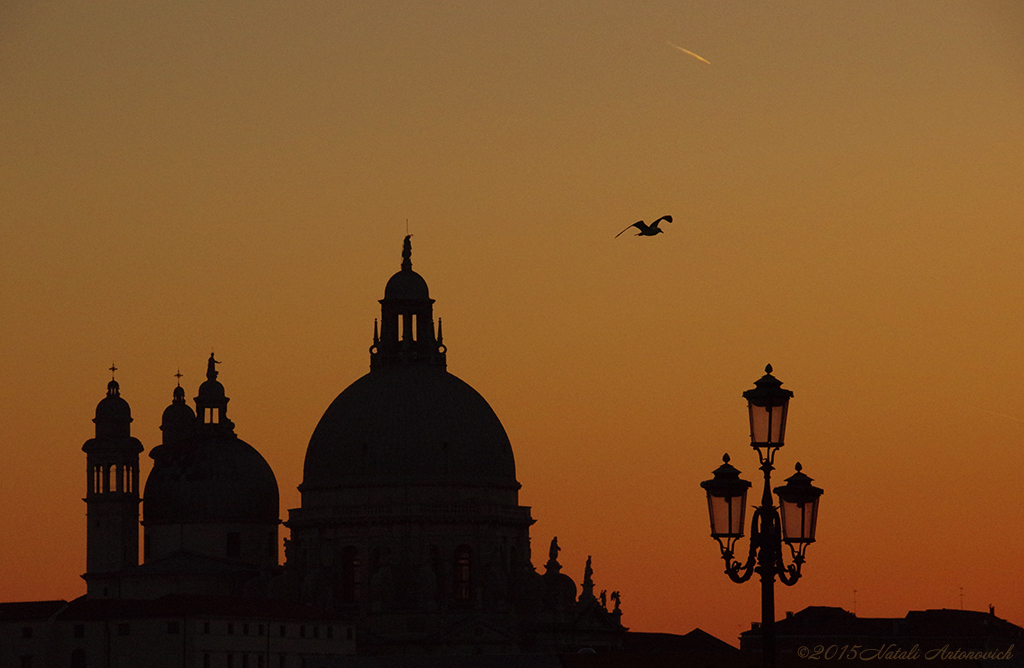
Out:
{"x": 463, "y": 576}
{"x": 351, "y": 575}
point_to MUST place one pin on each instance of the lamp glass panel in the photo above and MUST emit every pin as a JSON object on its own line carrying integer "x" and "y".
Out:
{"x": 726, "y": 515}
{"x": 739, "y": 505}
{"x": 767, "y": 423}
{"x": 798, "y": 520}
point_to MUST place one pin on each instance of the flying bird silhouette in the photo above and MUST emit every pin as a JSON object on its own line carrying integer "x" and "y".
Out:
{"x": 647, "y": 230}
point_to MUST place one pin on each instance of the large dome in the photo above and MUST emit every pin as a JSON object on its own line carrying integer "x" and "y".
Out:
{"x": 409, "y": 425}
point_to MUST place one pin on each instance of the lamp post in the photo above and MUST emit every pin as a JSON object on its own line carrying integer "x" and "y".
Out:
{"x": 768, "y": 405}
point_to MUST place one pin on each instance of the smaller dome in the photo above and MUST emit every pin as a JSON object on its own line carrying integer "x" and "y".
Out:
{"x": 406, "y": 284}
{"x": 113, "y": 414}
{"x": 113, "y": 424}
{"x": 112, "y": 407}
{"x": 179, "y": 420}
{"x": 560, "y": 590}
{"x": 221, "y": 479}
{"x": 211, "y": 389}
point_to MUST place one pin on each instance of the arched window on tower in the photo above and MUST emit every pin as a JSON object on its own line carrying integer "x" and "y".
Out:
{"x": 351, "y": 575}
{"x": 463, "y": 575}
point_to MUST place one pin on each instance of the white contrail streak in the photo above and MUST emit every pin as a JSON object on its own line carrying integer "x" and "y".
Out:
{"x": 1002, "y": 415}
{"x": 690, "y": 53}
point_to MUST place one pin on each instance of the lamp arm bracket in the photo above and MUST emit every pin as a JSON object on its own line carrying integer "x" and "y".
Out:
{"x": 789, "y": 575}
{"x": 738, "y": 573}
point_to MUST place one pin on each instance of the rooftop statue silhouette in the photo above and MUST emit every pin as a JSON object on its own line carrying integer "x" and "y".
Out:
{"x": 647, "y": 230}
{"x": 211, "y": 369}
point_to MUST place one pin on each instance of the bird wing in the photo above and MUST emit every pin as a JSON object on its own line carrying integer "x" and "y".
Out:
{"x": 638, "y": 225}
{"x": 667, "y": 219}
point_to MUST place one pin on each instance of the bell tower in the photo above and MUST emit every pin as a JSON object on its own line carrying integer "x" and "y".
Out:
{"x": 112, "y": 495}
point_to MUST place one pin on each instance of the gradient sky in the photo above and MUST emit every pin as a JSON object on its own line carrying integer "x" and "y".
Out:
{"x": 846, "y": 181}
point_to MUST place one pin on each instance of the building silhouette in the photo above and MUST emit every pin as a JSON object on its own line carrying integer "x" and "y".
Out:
{"x": 928, "y": 637}
{"x": 409, "y": 538}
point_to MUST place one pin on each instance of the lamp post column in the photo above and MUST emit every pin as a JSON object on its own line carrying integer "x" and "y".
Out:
{"x": 767, "y": 563}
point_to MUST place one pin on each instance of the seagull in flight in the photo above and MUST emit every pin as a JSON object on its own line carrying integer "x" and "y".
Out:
{"x": 647, "y": 230}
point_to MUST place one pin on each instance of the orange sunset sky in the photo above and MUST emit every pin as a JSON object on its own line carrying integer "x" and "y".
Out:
{"x": 847, "y": 182}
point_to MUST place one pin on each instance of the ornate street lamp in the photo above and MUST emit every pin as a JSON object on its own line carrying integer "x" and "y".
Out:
{"x": 768, "y": 405}
{"x": 727, "y": 502}
{"x": 798, "y": 500}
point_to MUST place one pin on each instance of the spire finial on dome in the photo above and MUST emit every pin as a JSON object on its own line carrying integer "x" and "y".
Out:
{"x": 179, "y": 391}
{"x": 113, "y": 389}
{"x": 211, "y": 369}
{"x": 407, "y": 253}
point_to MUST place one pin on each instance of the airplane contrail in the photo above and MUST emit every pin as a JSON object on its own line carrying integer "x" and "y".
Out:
{"x": 691, "y": 53}
{"x": 1002, "y": 415}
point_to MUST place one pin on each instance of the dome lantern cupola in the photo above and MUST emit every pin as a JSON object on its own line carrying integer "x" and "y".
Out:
{"x": 212, "y": 404}
{"x": 406, "y": 335}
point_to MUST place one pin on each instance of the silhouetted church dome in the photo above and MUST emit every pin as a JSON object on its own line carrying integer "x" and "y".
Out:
{"x": 406, "y": 285}
{"x": 113, "y": 423}
{"x": 112, "y": 409}
{"x": 211, "y": 389}
{"x": 203, "y": 472}
{"x": 409, "y": 425}
{"x": 409, "y": 421}
{"x": 219, "y": 479}
{"x": 179, "y": 420}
